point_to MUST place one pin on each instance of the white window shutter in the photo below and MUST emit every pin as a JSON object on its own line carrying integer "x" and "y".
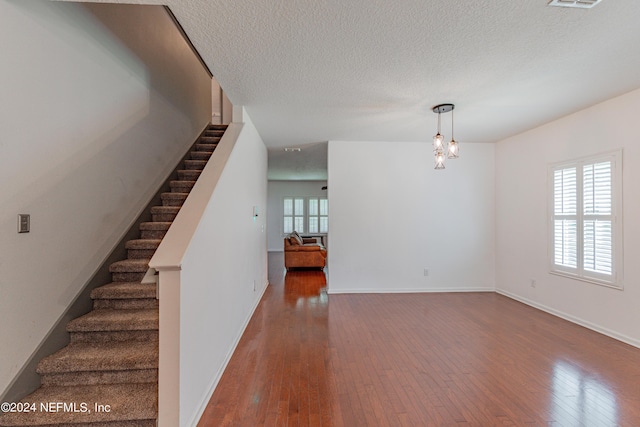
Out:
{"x": 598, "y": 231}
{"x": 585, "y": 226}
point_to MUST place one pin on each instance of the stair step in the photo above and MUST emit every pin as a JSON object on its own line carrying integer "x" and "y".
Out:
{"x": 126, "y": 304}
{"x": 112, "y": 336}
{"x": 164, "y": 213}
{"x": 129, "y": 270}
{"x": 212, "y": 134}
{"x": 130, "y": 266}
{"x": 154, "y": 230}
{"x": 181, "y": 186}
{"x": 133, "y": 376}
{"x": 142, "y": 248}
{"x": 115, "y": 320}
{"x": 173, "y": 199}
{"x": 188, "y": 175}
{"x": 133, "y": 290}
{"x": 116, "y": 356}
{"x": 125, "y": 296}
{"x": 205, "y": 147}
{"x": 195, "y": 164}
{"x": 130, "y": 405}
{"x": 217, "y": 127}
{"x": 200, "y": 155}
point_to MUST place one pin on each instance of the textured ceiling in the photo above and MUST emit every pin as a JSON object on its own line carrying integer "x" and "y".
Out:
{"x": 310, "y": 71}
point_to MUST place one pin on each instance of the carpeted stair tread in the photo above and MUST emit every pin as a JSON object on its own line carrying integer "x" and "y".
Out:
{"x": 200, "y": 155}
{"x": 130, "y": 266}
{"x": 188, "y": 175}
{"x": 129, "y": 405}
{"x": 164, "y": 213}
{"x": 213, "y": 132}
{"x": 173, "y": 199}
{"x": 143, "y": 244}
{"x": 143, "y": 248}
{"x": 173, "y": 196}
{"x": 205, "y": 147}
{"x": 194, "y": 164}
{"x": 114, "y": 356}
{"x": 158, "y": 225}
{"x": 210, "y": 138}
{"x": 76, "y": 378}
{"x": 217, "y": 127}
{"x": 158, "y": 210}
{"x": 124, "y": 290}
{"x": 115, "y": 320}
{"x": 181, "y": 186}
{"x": 154, "y": 230}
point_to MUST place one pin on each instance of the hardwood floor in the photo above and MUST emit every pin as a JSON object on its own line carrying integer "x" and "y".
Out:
{"x": 475, "y": 359}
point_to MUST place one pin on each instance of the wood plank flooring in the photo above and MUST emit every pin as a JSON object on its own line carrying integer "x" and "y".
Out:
{"x": 449, "y": 359}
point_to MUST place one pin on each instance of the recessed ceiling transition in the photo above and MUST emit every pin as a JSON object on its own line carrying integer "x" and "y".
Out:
{"x": 308, "y": 163}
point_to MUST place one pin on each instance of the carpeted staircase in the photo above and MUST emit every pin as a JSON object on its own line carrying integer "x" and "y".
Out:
{"x": 112, "y": 359}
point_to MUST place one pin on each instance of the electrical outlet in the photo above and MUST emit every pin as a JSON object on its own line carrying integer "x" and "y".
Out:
{"x": 426, "y": 272}
{"x": 533, "y": 283}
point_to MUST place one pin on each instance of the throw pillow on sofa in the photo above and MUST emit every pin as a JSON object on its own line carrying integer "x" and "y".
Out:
{"x": 295, "y": 239}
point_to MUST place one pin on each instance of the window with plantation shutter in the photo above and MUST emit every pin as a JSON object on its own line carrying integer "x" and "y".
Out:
{"x": 565, "y": 222}
{"x": 318, "y": 215}
{"x": 306, "y": 215}
{"x": 597, "y": 221}
{"x": 294, "y": 218}
{"x": 585, "y": 223}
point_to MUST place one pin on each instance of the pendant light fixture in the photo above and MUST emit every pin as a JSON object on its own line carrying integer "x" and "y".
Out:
{"x": 438, "y": 139}
{"x": 452, "y": 149}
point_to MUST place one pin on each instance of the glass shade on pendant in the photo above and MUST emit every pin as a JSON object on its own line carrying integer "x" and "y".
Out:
{"x": 439, "y": 157}
{"x": 438, "y": 142}
{"x": 452, "y": 151}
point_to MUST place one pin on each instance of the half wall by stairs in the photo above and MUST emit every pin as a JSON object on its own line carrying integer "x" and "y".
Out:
{"x": 108, "y": 374}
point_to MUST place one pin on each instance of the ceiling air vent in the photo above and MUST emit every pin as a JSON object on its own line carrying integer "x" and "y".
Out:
{"x": 582, "y": 4}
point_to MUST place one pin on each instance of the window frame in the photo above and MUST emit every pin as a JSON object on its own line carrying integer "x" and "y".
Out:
{"x": 305, "y": 215}
{"x": 615, "y": 280}
{"x": 319, "y": 215}
{"x": 294, "y": 213}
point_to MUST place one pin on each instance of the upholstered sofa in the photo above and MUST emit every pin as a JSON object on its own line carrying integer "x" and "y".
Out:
{"x": 303, "y": 253}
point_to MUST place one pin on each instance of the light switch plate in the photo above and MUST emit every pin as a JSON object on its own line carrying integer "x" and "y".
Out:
{"x": 24, "y": 223}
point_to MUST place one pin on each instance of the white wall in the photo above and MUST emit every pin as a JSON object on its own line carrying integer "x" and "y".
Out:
{"x": 98, "y": 104}
{"x": 277, "y": 191}
{"x": 391, "y": 215}
{"x": 521, "y": 206}
{"x": 224, "y": 273}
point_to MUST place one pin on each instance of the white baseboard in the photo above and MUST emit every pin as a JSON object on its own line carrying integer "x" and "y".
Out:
{"x": 407, "y": 290}
{"x": 589, "y": 325}
{"x": 216, "y": 379}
